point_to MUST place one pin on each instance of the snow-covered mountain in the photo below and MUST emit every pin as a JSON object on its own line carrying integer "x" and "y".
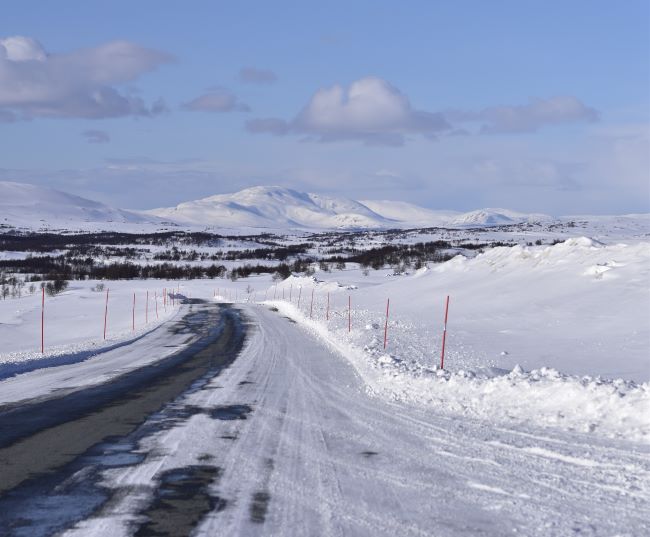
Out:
{"x": 31, "y": 206}
{"x": 35, "y": 207}
{"x": 277, "y": 207}
{"x": 274, "y": 207}
{"x": 496, "y": 217}
{"x": 410, "y": 214}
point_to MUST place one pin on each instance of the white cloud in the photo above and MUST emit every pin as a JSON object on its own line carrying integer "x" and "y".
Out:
{"x": 370, "y": 110}
{"x": 530, "y": 117}
{"x": 34, "y": 83}
{"x": 252, "y": 75}
{"x": 217, "y": 100}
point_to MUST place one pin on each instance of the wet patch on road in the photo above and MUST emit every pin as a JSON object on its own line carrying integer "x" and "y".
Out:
{"x": 43, "y": 492}
{"x": 259, "y": 506}
{"x": 181, "y": 501}
{"x": 231, "y": 412}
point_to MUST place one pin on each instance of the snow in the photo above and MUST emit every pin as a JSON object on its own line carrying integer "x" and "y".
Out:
{"x": 273, "y": 207}
{"x": 25, "y": 205}
{"x": 539, "y": 423}
{"x": 74, "y": 323}
{"x": 330, "y": 461}
{"x": 28, "y": 206}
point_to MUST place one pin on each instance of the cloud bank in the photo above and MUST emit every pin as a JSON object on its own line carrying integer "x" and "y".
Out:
{"x": 370, "y": 110}
{"x": 531, "y": 117}
{"x": 79, "y": 84}
{"x": 217, "y": 100}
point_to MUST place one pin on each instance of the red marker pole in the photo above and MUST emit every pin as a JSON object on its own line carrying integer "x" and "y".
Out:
{"x": 311, "y": 306}
{"x": 156, "y": 299}
{"x": 43, "y": 322}
{"x": 327, "y": 311}
{"x": 106, "y": 314}
{"x": 133, "y": 315}
{"x": 386, "y": 325}
{"x": 444, "y": 335}
{"x": 299, "y": 295}
{"x": 290, "y": 292}
{"x": 146, "y": 314}
{"x": 349, "y": 313}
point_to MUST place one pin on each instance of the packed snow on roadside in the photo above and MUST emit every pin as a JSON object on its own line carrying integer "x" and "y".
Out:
{"x": 558, "y": 335}
{"x": 74, "y": 322}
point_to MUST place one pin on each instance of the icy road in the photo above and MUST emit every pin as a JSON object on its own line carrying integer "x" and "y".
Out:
{"x": 235, "y": 421}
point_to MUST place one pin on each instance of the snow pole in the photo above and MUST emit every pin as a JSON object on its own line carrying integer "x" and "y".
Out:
{"x": 444, "y": 335}
{"x": 299, "y": 295}
{"x": 43, "y": 321}
{"x": 146, "y": 312}
{"x": 327, "y": 312}
{"x": 283, "y": 293}
{"x": 133, "y": 315}
{"x": 290, "y": 292}
{"x": 275, "y": 290}
{"x": 156, "y": 300}
{"x": 106, "y": 314}
{"x": 311, "y": 306}
{"x": 265, "y": 293}
{"x": 349, "y": 313}
{"x": 386, "y": 324}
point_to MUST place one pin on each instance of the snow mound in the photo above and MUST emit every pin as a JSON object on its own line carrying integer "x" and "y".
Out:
{"x": 613, "y": 408}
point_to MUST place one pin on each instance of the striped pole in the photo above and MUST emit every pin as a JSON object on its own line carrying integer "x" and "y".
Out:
{"x": 43, "y": 321}
{"x": 133, "y": 315}
{"x": 386, "y": 324}
{"x": 349, "y": 313}
{"x": 311, "y": 307}
{"x": 444, "y": 335}
{"x": 106, "y": 314}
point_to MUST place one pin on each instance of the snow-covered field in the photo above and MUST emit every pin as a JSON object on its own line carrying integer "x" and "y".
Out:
{"x": 539, "y": 421}
{"x": 563, "y": 330}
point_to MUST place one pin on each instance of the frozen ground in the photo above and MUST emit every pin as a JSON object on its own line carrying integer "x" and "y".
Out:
{"x": 539, "y": 424}
{"x": 286, "y": 441}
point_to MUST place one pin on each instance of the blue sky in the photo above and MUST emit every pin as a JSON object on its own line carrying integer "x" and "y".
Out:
{"x": 536, "y": 106}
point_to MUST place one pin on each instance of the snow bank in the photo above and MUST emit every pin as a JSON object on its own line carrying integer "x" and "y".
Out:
{"x": 614, "y": 408}
{"x": 557, "y": 334}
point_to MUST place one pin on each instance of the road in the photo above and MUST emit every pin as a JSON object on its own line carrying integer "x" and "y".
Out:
{"x": 274, "y": 433}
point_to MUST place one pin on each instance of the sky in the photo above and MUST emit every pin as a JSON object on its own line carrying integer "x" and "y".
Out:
{"x": 537, "y": 106}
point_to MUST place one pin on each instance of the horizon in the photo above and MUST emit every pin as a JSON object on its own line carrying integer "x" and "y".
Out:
{"x": 450, "y": 107}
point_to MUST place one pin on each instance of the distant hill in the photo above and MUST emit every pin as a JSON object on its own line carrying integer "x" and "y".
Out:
{"x": 31, "y": 206}
{"x": 261, "y": 207}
